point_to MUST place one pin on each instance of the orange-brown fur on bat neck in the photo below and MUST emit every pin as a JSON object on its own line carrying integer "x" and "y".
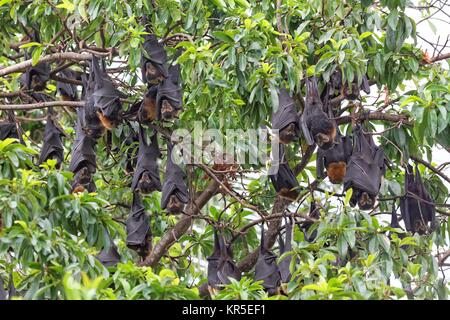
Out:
{"x": 66, "y": 98}
{"x": 105, "y": 121}
{"x": 336, "y": 172}
{"x": 78, "y": 188}
{"x": 289, "y": 194}
{"x": 149, "y": 109}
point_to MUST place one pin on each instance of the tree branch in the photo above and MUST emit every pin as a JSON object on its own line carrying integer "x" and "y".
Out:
{"x": 429, "y": 166}
{"x": 49, "y": 58}
{"x": 173, "y": 234}
{"x": 42, "y": 105}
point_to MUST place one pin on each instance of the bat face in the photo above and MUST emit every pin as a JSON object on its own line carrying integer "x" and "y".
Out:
{"x": 317, "y": 127}
{"x": 37, "y": 82}
{"x": 336, "y": 171}
{"x": 168, "y": 111}
{"x": 153, "y": 74}
{"x": 324, "y": 133}
{"x": 148, "y": 110}
{"x": 366, "y": 201}
{"x": 174, "y": 206}
{"x": 146, "y": 184}
{"x": 289, "y": 134}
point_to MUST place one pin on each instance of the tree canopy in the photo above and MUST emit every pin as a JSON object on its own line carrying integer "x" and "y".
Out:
{"x": 234, "y": 57}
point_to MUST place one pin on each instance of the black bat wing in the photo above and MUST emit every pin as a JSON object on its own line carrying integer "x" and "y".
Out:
{"x": 170, "y": 89}
{"x": 138, "y": 223}
{"x": 363, "y": 173}
{"x": 67, "y": 89}
{"x": 154, "y": 52}
{"x": 286, "y": 113}
{"x": 213, "y": 263}
{"x": 266, "y": 268}
{"x": 284, "y": 178}
{"x": 8, "y": 130}
{"x": 284, "y": 264}
{"x": 109, "y": 257}
{"x": 226, "y": 267}
{"x": 427, "y": 207}
{"x": 52, "y": 142}
{"x": 147, "y": 160}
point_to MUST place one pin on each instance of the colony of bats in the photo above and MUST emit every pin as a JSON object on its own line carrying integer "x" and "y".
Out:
{"x": 352, "y": 160}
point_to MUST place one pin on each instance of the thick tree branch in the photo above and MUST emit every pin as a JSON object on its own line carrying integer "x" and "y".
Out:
{"x": 429, "y": 166}
{"x": 172, "y": 235}
{"x": 42, "y": 105}
{"x": 49, "y": 58}
{"x": 279, "y": 206}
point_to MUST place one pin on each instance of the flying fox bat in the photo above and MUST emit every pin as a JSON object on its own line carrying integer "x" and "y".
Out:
{"x": 109, "y": 257}
{"x": 286, "y": 246}
{"x": 106, "y": 96}
{"x": 169, "y": 98}
{"x": 146, "y": 176}
{"x": 130, "y": 142}
{"x": 174, "y": 190}
{"x": 365, "y": 170}
{"x": 92, "y": 125}
{"x": 416, "y": 213}
{"x": 285, "y": 119}
{"x": 284, "y": 180}
{"x": 221, "y": 267}
{"x": 334, "y": 159}
{"x": 67, "y": 91}
{"x": 83, "y": 158}
{"x": 316, "y": 125}
{"x": 349, "y": 93}
{"x": 8, "y": 130}
{"x": 148, "y": 110}
{"x": 266, "y": 268}
{"x": 37, "y": 76}
{"x": 153, "y": 61}
{"x": 138, "y": 227}
{"x": 52, "y": 147}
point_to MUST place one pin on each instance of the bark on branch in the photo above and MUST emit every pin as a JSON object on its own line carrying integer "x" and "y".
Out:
{"x": 48, "y": 58}
{"x": 42, "y": 105}
{"x": 173, "y": 234}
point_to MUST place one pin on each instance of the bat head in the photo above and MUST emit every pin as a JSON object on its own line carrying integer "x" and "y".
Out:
{"x": 336, "y": 172}
{"x": 174, "y": 206}
{"x": 289, "y": 134}
{"x": 325, "y": 136}
{"x": 168, "y": 111}
{"x": 366, "y": 201}
{"x": 146, "y": 184}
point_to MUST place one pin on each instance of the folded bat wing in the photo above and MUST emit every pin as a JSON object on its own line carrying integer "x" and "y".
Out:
{"x": 109, "y": 257}
{"x": 366, "y": 165}
{"x": 147, "y": 160}
{"x": 266, "y": 268}
{"x": 138, "y": 223}
{"x": 170, "y": 89}
{"x": 174, "y": 181}
{"x": 67, "y": 89}
{"x": 154, "y": 52}
{"x": 213, "y": 263}
{"x": 284, "y": 178}
{"x": 286, "y": 246}
{"x": 52, "y": 143}
{"x": 227, "y": 268}
{"x": 8, "y": 130}
{"x": 286, "y": 112}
